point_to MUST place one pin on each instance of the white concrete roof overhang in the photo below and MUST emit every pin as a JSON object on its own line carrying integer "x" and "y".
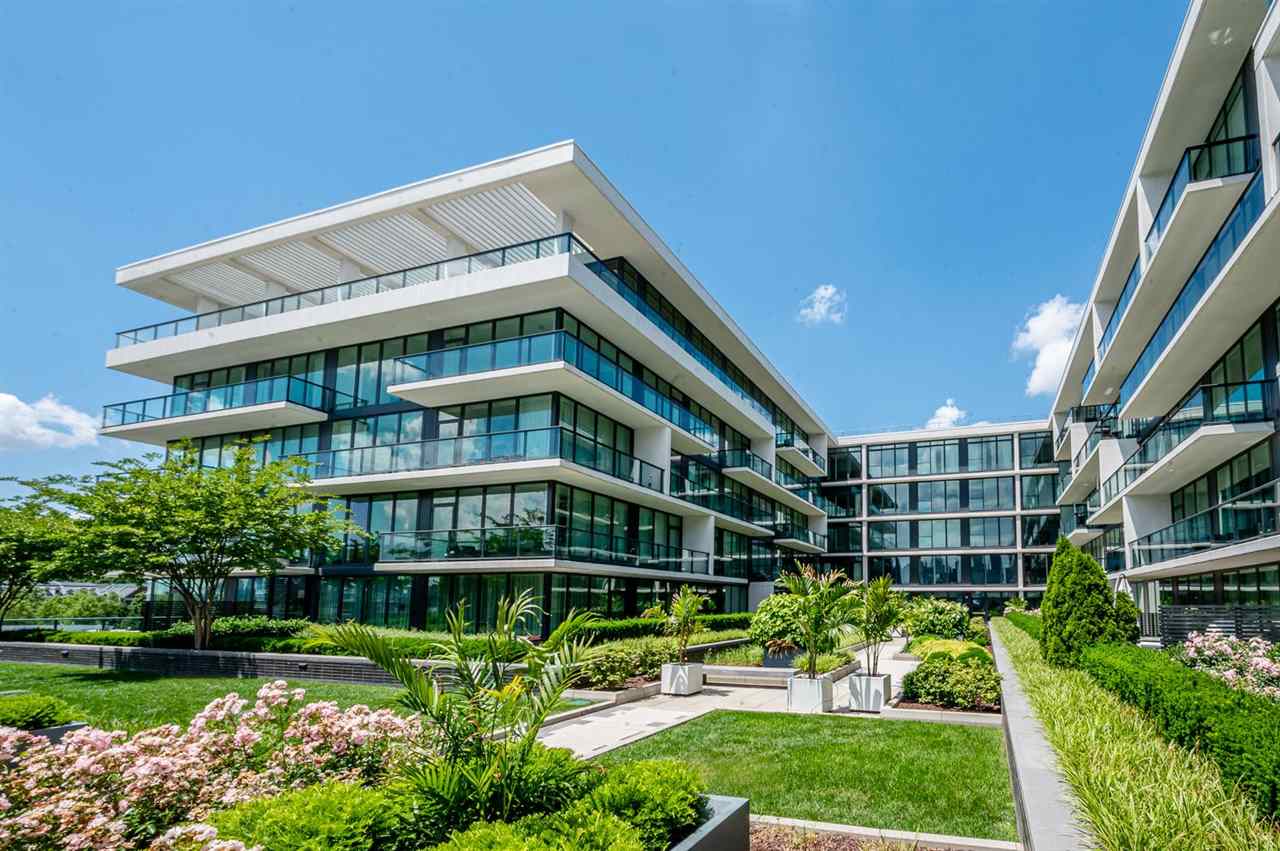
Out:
{"x": 263, "y": 417}
{"x": 1262, "y": 550}
{"x": 487, "y": 206}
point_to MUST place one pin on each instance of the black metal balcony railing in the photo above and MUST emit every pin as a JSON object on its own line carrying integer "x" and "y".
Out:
{"x": 1236, "y": 402}
{"x": 801, "y": 487}
{"x": 549, "y": 347}
{"x": 1238, "y": 155}
{"x": 228, "y": 397}
{"x": 473, "y": 450}
{"x": 1108, "y": 425}
{"x": 790, "y": 440}
{"x": 521, "y": 542}
{"x": 431, "y": 272}
{"x": 714, "y": 500}
{"x": 1252, "y": 514}
{"x": 1076, "y": 414}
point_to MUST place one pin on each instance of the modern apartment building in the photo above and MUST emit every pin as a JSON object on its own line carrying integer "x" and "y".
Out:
{"x": 968, "y": 513}
{"x": 1166, "y": 414}
{"x": 506, "y": 377}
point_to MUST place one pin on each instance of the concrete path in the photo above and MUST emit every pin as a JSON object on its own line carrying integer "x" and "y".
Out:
{"x": 610, "y": 728}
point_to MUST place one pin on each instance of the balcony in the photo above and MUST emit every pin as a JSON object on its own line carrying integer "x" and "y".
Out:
{"x": 543, "y": 363}
{"x": 446, "y": 462}
{"x": 1251, "y": 515}
{"x": 1074, "y": 525}
{"x": 796, "y": 537}
{"x": 259, "y": 405}
{"x": 1121, "y": 306}
{"x": 734, "y": 514}
{"x": 793, "y": 448}
{"x": 514, "y": 543}
{"x": 564, "y": 243}
{"x": 753, "y": 471}
{"x": 1216, "y": 422}
{"x": 1216, "y": 213}
{"x": 1211, "y": 161}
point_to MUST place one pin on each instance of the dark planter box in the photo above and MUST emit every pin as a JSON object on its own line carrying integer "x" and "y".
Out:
{"x": 780, "y": 660}
{"x": 728, "y": 828}
{"x": 55, "y": 734}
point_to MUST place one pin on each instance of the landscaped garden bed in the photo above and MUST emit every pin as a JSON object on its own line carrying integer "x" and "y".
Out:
{"x": 902, "y": 775}
{"x": 953, "y": 676}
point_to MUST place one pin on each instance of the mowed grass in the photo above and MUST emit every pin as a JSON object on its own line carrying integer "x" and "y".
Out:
{"x": 899, "y": 775}
{"x": 115, "y": 700}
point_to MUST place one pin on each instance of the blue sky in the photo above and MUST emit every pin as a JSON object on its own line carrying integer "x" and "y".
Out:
{"x": 945, "y": 169}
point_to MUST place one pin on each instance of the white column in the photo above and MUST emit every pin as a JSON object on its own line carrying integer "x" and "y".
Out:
{"x": 564, "y": 222}
{"x": 349, "y": 271}
{"x": 455, "y": 247}
{"x": 204, "y": 304}
{"x": 654, "y": 446}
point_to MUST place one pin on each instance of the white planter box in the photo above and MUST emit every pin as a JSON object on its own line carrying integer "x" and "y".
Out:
{"x": 682, "y": 679}
{"x": 869, "y": 694}
{"x": 812, "y": 696}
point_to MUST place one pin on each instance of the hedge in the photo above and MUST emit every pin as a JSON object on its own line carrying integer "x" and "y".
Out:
{"x": 641, "y": 627}
{"x": 1237, "y": 730}
{"x": 1030, "y": 624}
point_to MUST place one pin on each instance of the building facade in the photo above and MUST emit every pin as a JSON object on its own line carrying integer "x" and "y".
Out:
{"x": 1166, "y": 414}
{"x": 506, "y": 378}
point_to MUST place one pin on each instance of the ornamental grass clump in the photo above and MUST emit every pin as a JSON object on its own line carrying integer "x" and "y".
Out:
{"x": 101, "y": 789}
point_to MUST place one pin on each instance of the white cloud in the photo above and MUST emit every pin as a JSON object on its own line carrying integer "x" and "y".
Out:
{"x": 1047, "y": 333}
{"x": 824, "y": 304}
{"x": 947, "y": 415}
{"x": 44, "y": 424}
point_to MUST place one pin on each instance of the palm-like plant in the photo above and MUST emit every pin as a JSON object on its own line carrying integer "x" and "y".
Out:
{"x": 486, "y": 704}
{"x": 826, "y": 611}
{"x": 682, "y": 618}
{"x": 878, "y": 609}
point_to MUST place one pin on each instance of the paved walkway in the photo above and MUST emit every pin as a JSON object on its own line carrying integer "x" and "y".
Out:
{"x": 610, "y": 728}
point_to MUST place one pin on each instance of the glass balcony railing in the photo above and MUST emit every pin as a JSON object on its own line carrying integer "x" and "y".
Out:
{"x": 1108, "y": 425}
{"x": 1088, "y": 377}
{"x": 1117, "y": 313}
{"x": 801, "y": 487}
{"x": 1238, "y": 224}
{"x": 548, "y": 348}
{"x": 714, "y": 500}
{"x": 1228, "y": 157}
{"x": 790, "y": 440}
{"x": 517, "y": 542}
{"x": 1252, "y": 514}
{"x": 473, "y": 450}
{"x": 519, "y": 253}
{"x": 794, "y": 532}
{"x": 228, "y": 397}
{"x": 1078, "y": 415}
{"x": 1248, "y": 401}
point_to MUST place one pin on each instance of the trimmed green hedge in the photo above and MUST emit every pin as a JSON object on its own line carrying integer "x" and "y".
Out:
{"x": 1237, "y": 730}
{"x": 33, "y": 711}
{"x": 640, "y": 627}
{"x": 1030, "y": 624}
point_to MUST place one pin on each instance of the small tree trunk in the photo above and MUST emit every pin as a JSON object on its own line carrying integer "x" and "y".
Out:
{"x": 200, "y": 625}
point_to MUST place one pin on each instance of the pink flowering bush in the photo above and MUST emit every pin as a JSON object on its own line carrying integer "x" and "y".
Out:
{"x": 1251, "y": 665}
{"x": 105, "y": 790}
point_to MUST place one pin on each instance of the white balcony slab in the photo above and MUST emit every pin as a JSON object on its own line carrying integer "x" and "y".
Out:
{"x": 1082, "y": 535}
{"x": 799, "y": 545}
{"x": 796, "y": 458}
{"x": 556, "y": 376}
{"x": 770, "y": 488}
{"x": 1243, "y": 289}
{"x": 263, "y": 417}
{"x": 1194, "y": 223}
{"x": 1261, "y": 550}
{"x": 547, "y": 565}
{"x": 1083, "y": 481}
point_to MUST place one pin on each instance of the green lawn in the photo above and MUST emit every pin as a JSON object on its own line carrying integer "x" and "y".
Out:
{"x": 900, "y": 775}
{"x": 116, "y": 700}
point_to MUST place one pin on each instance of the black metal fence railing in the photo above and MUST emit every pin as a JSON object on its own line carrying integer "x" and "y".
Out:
{"x": 1177, "y": 622}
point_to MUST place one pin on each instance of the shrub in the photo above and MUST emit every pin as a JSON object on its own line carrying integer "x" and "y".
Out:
{"x": 977, "y": 631}
{"x": 1015, "y": 604}
{"x": 826, "y": 661}
{"x": 339, "y": 816}
{"x": 611, "y": 630}
{"x": 926, "y": 645}
{"x": 588, "y": 830}
{"x": 934, "y": 616}
{"x": 611, "y": 665}
{"x": 744, "y": 655}
{"x": 1237, "y": 730}
{"x": 775, "y": 621}
{"x": 664, "y": 800}
{"x": 1078, "y": 611}
{"x": 33, "y": 711}
{"x": 113, "y": 638}
{"x": 1030, "y": 624}
{"x": 944, "y": 680}
{"x": 1125, "y": 613}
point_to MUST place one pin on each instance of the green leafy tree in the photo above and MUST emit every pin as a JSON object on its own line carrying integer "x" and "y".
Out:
{"x": 32, "y": 535}
{"x": 1126, "y": 615}
{"x": 682, "y": 618}
{"x": 192, "y": 526}
{"x": 877, "y": 612}
{"x": 824, "y": 612}
{"x": 1078, "y": 610}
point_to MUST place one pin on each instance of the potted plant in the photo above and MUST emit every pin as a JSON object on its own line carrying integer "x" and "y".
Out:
{"x": 823, "y": 616}
{"x": 683, "y": 677}
{"x": 877, "y": 612}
